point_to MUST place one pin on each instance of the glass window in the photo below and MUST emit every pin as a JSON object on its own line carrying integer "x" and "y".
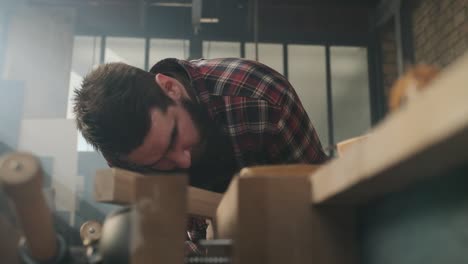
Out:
{"x": 86, "y": 54}
{"x": 307, "y": 74}
{"x": 168, "y": 48}
{"x": 85, "y": 57}
{"x": 128, "y": 50}
{"x": 350, "y": 92}
{"x": 268, "y": 54}
{"x": 217, "y": 49}
{"x": 2, "y": 40}
{"x": 83, "y": 145}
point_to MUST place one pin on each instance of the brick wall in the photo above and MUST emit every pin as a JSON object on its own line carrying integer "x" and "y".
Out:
{"x": 440, "y": 30}
{"x": 389, "y": 55}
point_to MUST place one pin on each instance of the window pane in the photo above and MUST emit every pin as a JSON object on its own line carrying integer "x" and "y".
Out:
{"x": 83, "y": 146}
{"x": 268, "y": 54}
{"x": 127, "y": 50}
{"x": 86, "y": 54}
{"x": 307, "y": 74}
{"x": 85, "y": 57}
{"x": 217, "y": 49}
{"x": 350, "y": 92}
{"x": 3, "y": 31}
{"x": 168, "y": 48}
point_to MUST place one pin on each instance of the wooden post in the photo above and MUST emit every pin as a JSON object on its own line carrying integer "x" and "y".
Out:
{"x": 21, "y": 176}
{"x": 266, "y": 211}
{"x": 159, "y": 220}
{"x": 344, "y": 145}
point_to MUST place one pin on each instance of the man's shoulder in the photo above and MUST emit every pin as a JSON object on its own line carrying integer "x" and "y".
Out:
{"x": 234, "y": 77}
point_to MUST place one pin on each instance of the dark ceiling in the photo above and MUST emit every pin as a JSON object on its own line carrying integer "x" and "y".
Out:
{"x": 293, "y": 21}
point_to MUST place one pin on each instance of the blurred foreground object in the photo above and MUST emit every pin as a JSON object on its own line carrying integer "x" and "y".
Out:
{"x": 21, "y": 177}
{"x": 408, "y": 86}
{"x": 344, "y": 145}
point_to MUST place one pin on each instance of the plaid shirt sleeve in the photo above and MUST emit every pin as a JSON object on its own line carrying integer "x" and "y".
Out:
{"x": 265, "y": 133}
{"x": 294, "y": 139}
{"x": 263, "y": 116}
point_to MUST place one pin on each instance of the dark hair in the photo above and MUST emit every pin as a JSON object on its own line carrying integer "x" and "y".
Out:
{"x": 113, "y": 106}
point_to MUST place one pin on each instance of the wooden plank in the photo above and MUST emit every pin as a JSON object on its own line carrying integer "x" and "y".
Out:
{"x": 425, "y": 138}
{"x": 202, "y": 202}
{"x": 267, "y": 213}
{"x": 117, "y": 186}
{"x": 344, "y": 145}
{"x": 21, "y": 178}
{"x": 227, "y": 211}
{"x": 279, "y": 170}
{"x": 159, "y": 219}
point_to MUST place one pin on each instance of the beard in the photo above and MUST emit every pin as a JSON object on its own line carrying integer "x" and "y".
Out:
{"x": 200, "y": 117}
{"x": 213, "y": 160}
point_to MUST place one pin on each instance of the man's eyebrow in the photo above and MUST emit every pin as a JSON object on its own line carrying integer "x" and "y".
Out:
{"x": 169, "y": 147}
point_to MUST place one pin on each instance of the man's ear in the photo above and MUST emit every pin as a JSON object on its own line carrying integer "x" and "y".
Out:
{"x": 170, "y": 86}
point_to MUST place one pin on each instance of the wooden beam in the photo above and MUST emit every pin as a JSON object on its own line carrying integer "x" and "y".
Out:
{"x": 158, "y": 220}
{"x": 21, "y": 178}
{"x": 202, "y": 202}
{"x": 158, "y": 215}
{"x": 267, "y": 213}
{"x": 117, "y": 186}
{"x": 425, "y": 138}
{"x": 344, "y": 145}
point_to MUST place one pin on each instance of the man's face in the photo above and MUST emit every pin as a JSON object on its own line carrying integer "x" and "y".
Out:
{"x": 173, "y": 141}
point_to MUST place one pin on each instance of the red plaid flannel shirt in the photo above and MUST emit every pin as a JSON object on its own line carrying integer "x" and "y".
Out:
{"x": 257, "y": 108}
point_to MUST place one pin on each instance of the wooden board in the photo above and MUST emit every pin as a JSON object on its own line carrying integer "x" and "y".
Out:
{"x": 202, "y": 202}
{"x": 267, "y": 213}
{"x": 344, "y": 145}
{"x": 159, "y": 221}
{"x": 117, "y": 186}
{"x": 425, "y": 138}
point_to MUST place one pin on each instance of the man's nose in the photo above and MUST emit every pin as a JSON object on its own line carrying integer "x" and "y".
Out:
{"x": 181, "y": 158}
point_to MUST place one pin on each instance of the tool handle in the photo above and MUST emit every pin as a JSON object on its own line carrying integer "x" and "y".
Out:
{"x": 21, "y": 177}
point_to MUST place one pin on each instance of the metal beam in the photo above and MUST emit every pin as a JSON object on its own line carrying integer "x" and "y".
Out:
{"x": 385, "y": 11}
{"x": 331, "y": 131}
{"x": 285, "y": 60}
{"x": 196, "y": 15}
